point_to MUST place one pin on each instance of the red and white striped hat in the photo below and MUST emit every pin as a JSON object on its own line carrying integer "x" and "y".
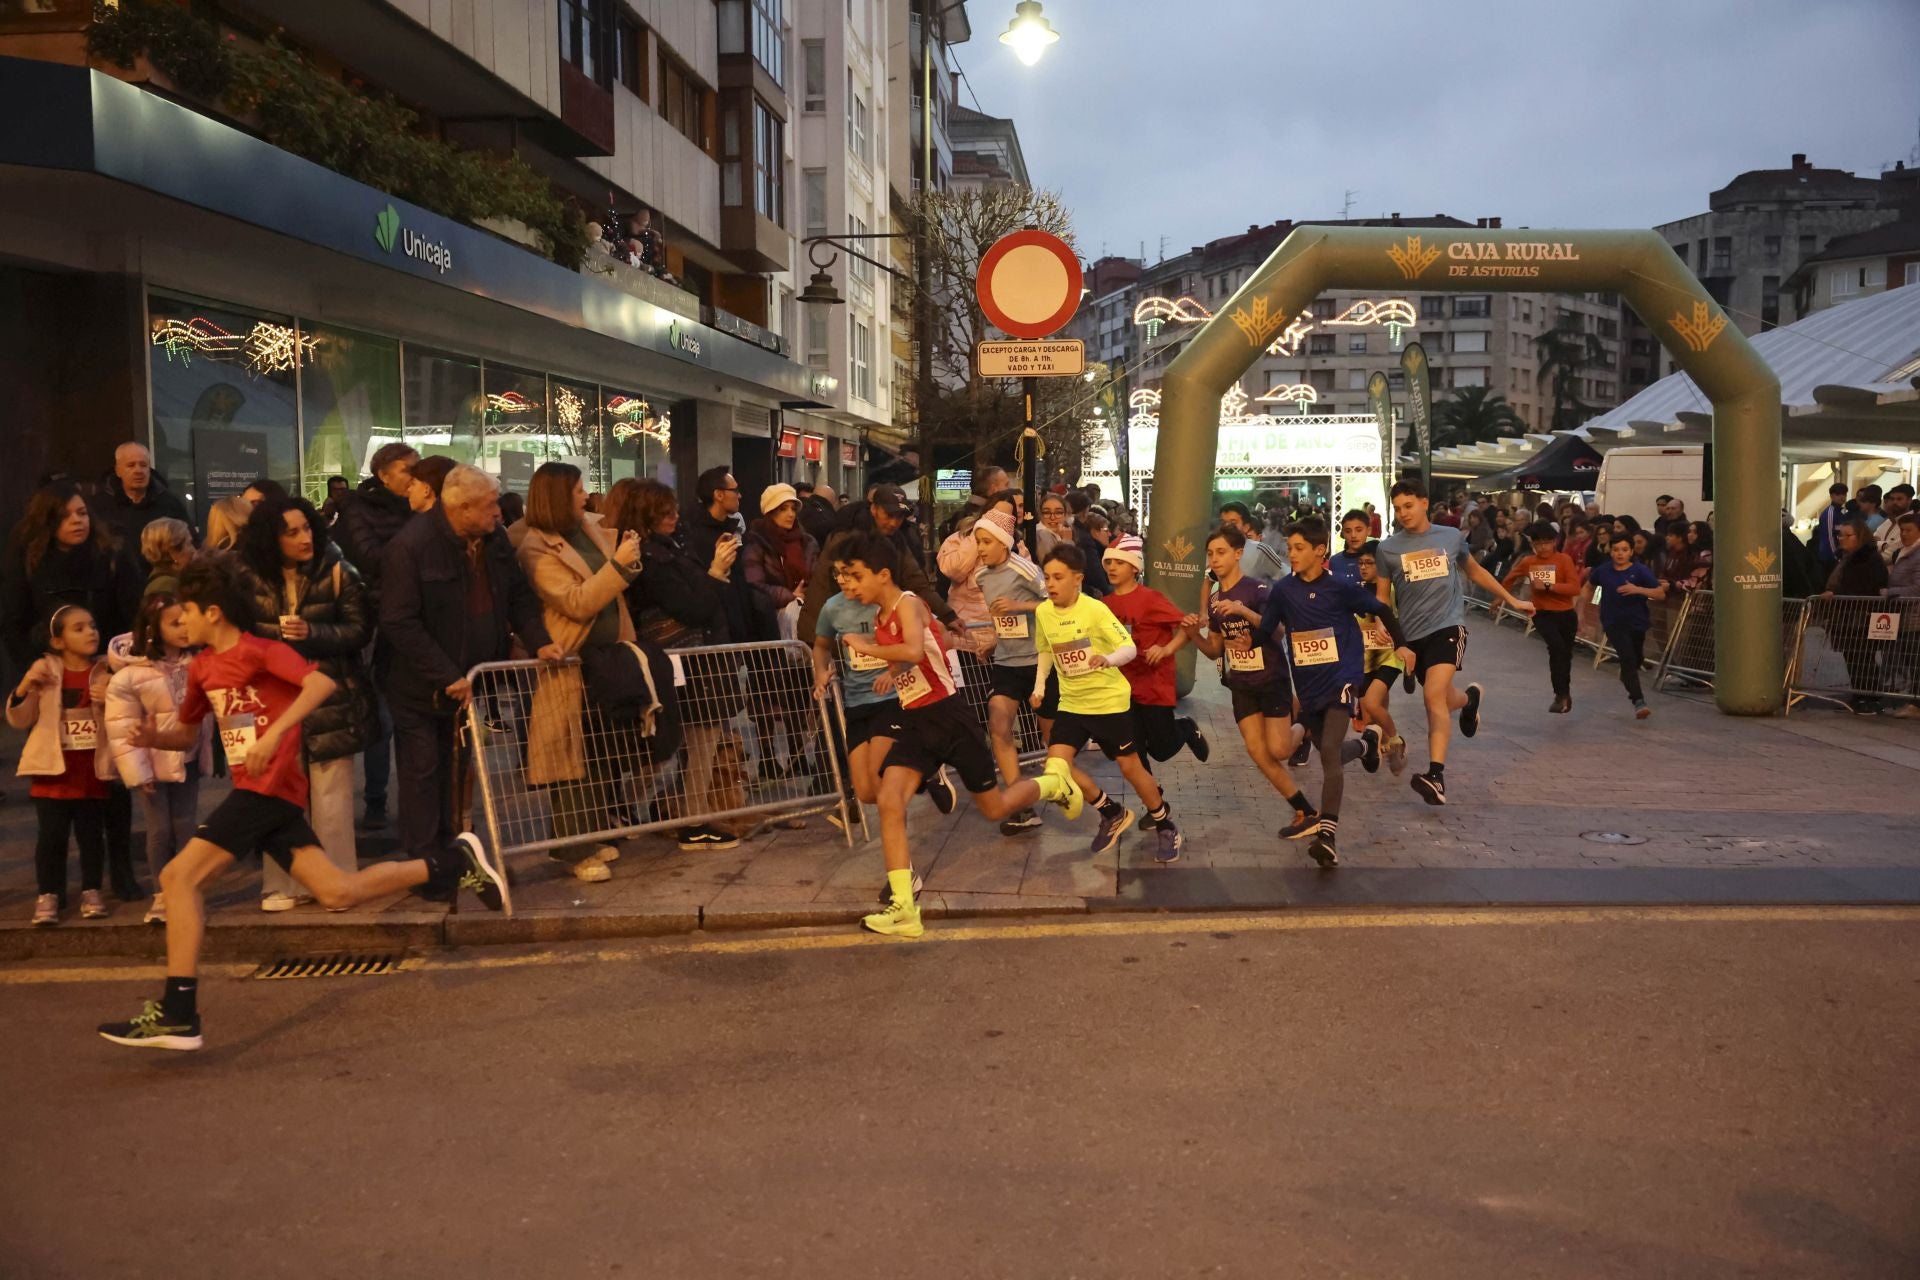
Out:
{"x": 1130, "y": 549}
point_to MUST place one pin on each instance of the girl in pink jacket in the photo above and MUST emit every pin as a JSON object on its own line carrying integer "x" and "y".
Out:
{"x": 149, "y": 680}
{"x": 58, "y": 701}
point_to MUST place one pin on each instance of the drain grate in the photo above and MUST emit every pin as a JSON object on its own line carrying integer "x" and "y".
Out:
{"x": 342, "y": 966}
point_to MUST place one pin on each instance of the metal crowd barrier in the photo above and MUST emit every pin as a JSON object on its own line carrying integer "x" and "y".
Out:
{"x": 1663, "y": 617}
{"x": 1855, "y": 649}
{"x": 553, "y": 771}
{"x": 979, "y": 689}
{"x": 1687, "y": 659}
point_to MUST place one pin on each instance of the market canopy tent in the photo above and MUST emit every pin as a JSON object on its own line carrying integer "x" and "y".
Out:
{"x": 1743, "y": 391}
{"x": 1566, "y": 463}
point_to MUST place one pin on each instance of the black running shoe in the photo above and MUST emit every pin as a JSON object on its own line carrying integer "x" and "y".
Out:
{"x": 487, "y": 884}
{"x": 1322, "y": 851}
{"x": 152, "y": 1029}
{"x": 940, "y": 791}
{"x": 1429, "y": 788}
{"x": 886, "y": 890}
{"x": 1301, "y": 752}
{"x": 1470, "y": 714}
{"x": 704, "y": 837}
{"x": 1302, "y": 826}
{"x": 1023, "y": 821}
{"x": 1370, "y": 748}
{"x": 1197, "y": 742}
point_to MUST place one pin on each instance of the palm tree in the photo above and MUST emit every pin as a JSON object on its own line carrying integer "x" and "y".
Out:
{"x": 1564, "y": 351}
{"x": 1472, "y": 415}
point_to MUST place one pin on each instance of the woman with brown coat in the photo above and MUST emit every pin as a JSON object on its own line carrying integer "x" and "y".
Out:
{"x": 581, "y": 574}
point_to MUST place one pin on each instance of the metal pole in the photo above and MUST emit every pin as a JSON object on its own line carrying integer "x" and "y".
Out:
{"x": 1030, "y": 455}
{"x": 923, "y": 271}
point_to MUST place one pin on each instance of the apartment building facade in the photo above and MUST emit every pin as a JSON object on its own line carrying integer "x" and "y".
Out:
{"x": 159, "y": 244}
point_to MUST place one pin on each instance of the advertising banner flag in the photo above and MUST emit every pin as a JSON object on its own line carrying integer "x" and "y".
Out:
{"x": 1380, "y": 401}
{"x": 1420, "y": 403}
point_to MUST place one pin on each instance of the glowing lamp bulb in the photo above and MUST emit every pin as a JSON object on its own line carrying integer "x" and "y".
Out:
{"x": 1029, "y": 33}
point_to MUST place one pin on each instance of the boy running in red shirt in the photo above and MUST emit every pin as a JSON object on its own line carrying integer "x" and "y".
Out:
{"x": 260, "y": 691}
{"x": 1153, "y": 621}
{"x": 1553, "y": 582}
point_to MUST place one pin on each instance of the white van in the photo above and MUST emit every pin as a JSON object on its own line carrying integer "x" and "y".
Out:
{"x": 1632, "y": 478}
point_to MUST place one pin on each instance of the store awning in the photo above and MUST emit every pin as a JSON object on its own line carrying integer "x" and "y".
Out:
{"x": 1567, "y": 463}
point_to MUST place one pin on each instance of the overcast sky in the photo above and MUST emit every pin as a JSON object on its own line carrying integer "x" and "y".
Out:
{"x": 1193, "y": 119}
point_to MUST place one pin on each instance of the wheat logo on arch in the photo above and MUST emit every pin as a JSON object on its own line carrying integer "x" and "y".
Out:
{"x": 1178, "y": 547}
{"x": 1261, "y": 325}
{"x": 1412, "y": 259}
{"x": 1760, "y": 557}
{"x": 1699, "y": 331}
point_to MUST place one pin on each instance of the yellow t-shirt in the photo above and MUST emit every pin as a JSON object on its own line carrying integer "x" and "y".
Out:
{"x": 1070, "y": 636}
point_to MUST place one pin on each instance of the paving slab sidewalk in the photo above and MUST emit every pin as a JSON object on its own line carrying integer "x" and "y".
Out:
{"x": 1594, "y": 806}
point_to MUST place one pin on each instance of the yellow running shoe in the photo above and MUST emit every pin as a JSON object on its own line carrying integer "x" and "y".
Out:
{"x": 1063, "y": 791}
{"x": 898, "y": 920}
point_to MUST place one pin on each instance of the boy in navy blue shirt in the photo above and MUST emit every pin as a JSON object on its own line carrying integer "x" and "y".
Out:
{"x": 1327, "y": 657}
{"x": 1624, "y": 587}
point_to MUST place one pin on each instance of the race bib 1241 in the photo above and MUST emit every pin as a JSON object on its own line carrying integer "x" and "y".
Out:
{"x": 79, "y": 731}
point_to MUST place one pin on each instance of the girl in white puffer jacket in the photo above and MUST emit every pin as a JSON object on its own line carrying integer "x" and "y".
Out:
{"x": 149, "y": 681}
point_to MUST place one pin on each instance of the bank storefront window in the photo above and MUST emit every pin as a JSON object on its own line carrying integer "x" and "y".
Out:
{"x": 349, "y": 405}
{"x": 225, "y": 398}
{"x": 240, "y": 394}
{"x": 445, "y": 410}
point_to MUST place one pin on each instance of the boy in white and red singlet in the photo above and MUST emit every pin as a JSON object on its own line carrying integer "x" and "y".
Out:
{"x": 260, "y": 691}
{"x": 935, "y": 726}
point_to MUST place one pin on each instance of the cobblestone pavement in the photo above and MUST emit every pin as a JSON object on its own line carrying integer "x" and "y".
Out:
{"x": 1688, "y": 788}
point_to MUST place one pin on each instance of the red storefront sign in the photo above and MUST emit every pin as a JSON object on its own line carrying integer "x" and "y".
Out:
{"x": 789, "y": 442}
{"x": 811, "y": 447}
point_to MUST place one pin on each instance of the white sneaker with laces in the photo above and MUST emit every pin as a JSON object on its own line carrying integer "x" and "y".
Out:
{"x": 46, "y": 909}
{"x": 156, "y": 910}
{"x": 284, "y": 901}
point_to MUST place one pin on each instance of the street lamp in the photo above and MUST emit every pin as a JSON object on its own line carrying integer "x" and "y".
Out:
{"x": 1029, "y": 33}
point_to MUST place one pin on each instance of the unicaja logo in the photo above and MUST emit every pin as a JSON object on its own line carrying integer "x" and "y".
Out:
{"x": 386, "y": 228}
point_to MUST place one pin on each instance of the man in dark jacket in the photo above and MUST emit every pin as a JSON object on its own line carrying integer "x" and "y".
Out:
{"x": 891, "y": 515}
{"x": 135, "y": 497}
{"x": 819, "y": 512}
{"x": 714, "y": 516}
{"x": 452, "y": 596}
{"x": 369, "y": 522}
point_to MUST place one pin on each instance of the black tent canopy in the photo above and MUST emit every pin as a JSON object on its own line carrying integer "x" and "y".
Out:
{"x": 1564, "y": 463}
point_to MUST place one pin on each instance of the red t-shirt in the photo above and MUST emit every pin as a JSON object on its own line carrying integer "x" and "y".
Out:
{"x": 77, "y": 722}
{"x": 248, "y": 687}
{"x": 1149, "y": 618}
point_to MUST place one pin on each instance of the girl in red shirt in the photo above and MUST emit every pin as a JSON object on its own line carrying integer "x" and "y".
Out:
{"x": 66, "y": 756}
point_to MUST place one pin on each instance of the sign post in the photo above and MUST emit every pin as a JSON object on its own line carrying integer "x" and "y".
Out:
{"x": 1028, "y": 286}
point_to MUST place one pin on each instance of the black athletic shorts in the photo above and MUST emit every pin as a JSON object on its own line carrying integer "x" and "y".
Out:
{"x": 247, "y": 824}
{"x": 944, "y": 733}
{"x": 1274, "y": 701}
{"x": 1157, "y": 731}
{"x": 1446, "y": 647}
{"x": 1315, "y": 719}
{"x": 872, "y": 720}
{"x": 1017, "y": 683}
{"x": 1114, "y": 732}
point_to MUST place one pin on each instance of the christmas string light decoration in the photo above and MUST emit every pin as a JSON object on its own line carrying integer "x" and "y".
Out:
{"x": 1395, "y": 313}
{"x": 567, "y": 410}
{"x": 268, "y": 348}
{"x": 1299, "y": 393}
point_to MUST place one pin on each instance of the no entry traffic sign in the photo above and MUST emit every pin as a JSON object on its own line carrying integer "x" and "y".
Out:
{"x": 1029, "y": 284}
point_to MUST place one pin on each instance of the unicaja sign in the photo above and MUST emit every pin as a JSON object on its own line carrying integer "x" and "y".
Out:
{"x": 389, "y": 235}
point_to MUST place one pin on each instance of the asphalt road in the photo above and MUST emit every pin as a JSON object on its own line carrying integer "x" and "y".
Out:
{"x": 1526, "y": 1093}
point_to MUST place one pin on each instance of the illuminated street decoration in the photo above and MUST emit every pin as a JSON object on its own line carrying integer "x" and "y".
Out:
{"x": 567, "y": 409}
{"x": 1288, "y": 343}
{"x": 1143, "y": 408}
{"x": 268, "y": 348}
{"x": 1299, "y": 393}
{"x": 1233, "y": 405}
{"x": 510, "y": 402}
{"x": 1156, "y": 311}
{"x": 633, "y": 416}
{"x": 1395, "y": 313}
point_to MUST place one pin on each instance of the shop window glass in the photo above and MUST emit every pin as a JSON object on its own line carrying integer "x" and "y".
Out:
{"x": 349, "y": 405}
{"x": 638, "y": 430}
{"x": 444, "y": 407}
{"x": 573, "y": 417}
{"x": 516, "y": 424}
{"x": 224, "y": 403}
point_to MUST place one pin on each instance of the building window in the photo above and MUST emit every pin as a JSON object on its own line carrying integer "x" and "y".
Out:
{"x": 769, "y": 39}
{"x": 682, "y": 101}
{"x": 629, "y": 45}
{"x": 1872, "y": 277}
{"x": 858, "y": 139}
{"x": 1396, "y": 380}
{"x": 1320, "y": 379}
{"x": 1470, "y": 341}
{"x": 1772, "y": 247}
{"x": 1844, "y": 284}
{"x": 1806, "y": 247}
{"x": 1913, "y": 273}
{"x": 1680, "y": 252}
{"x": 586, "y": 37}
{"x": 813, "y": 192}
{"x": 1357, "y": 344}
{"x": 1320, "y": 344}
{"x": 1469, "y": 377}
{"x": 861, "y": 361}
{"x": 1323, "y": 309}
{"x": 769, "y": 160}
{"x": 1723, "y": 253}
{"x": 730, "y": 161}
{"x": 1526, "y": 310}
{"x": 1432, "y": 308}
{"x": 1769, "y": 301}
{"x": 858, "y": 268}
{"x": 1356, "y": 379}
{"x": 1474, "y": 307}
{"x": 813, "y": 53}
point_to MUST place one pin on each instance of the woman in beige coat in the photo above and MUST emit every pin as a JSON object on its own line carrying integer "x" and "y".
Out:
{"x": 581, "y": 575}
